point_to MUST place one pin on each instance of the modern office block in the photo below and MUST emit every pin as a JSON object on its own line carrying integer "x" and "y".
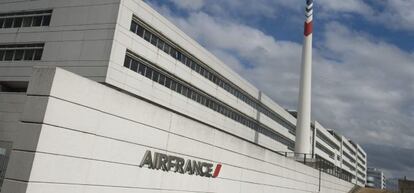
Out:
{"x": 376, "y": 179}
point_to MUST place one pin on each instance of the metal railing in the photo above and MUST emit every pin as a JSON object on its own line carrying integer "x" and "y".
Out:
{"x": 320, "y": 164}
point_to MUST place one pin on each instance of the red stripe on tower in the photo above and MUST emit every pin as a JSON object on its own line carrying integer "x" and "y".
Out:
{"x": 308, "y": 28}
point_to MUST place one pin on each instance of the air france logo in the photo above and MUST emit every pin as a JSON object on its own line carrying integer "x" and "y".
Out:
{"x": 160, "y": 161}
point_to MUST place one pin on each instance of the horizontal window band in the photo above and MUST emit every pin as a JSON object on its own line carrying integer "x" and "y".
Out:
{"x": 21, "y": 52}
{"x": 151, "y": 71}
{"x": 25, "y": 19}
{"x": 156, "y": 38}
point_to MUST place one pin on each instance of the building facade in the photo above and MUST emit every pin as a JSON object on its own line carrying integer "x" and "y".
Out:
{"x": 121, "y": 100}
{"x": 376, "y": 179}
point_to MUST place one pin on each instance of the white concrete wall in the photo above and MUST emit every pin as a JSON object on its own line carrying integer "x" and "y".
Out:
{"x": 92, "y": 139}
{"x": 78, "y": 39}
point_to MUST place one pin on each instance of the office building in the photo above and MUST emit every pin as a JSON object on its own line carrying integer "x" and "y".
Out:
{"x": 109, "y": 96}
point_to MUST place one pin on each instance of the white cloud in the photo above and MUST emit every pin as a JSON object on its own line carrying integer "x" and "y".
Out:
{"x": 189, "y": 4}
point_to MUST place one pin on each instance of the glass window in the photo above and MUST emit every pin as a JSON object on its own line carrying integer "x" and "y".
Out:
{"x": 167, "y": 48}
{"x": 162, "y": 79}
{"x": 141, "y": 69}
{"x": 180, "y": 88}
{"x": 9, "y": 55}
{"x": 127, "y": 62}
{"x": 1, "y": 22}
{"x": 160, "y": 44}
{"x": 167, "y": 82}
{"x": 173, "y": 52}
{"x": 18, "y": 55}
{"x": 140, "y": 31}
{"x": 134, "y": 27}
{"x": 173, "y": 85}
{"x": 183, "y": 59}
{"x": 193, "y": 65}
{"x": 37, "y": 21}
{"x": 188, "y": 62}
{"x": 2, "y": 55}
{"x": 8, "y": 23}
{"x": 134, "y": 66}
{"x": 155, "y": 76}
{"x": 38, "y": 54}
{"x": 154, "y": 40}
{"x": 46, "y": 20}
{"x": 27, "y": 22}
{"x": 18, "y": 22}
{"x": 178, "y": 57}
{"x": 147, "y": 35}
{"x": 28, "y": 54}
{"x": 148, "y": 73}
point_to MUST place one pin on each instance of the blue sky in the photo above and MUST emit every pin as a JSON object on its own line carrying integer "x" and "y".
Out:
{"x": 363, "y": 84}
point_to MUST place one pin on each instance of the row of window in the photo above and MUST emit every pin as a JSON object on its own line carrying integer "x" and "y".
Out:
{"x": 362, "y": 181}
{"x": 171, "y": 49}
{"x": 25, "y": 19}
{"x": 349, "y": 148}
{"x": 349, "y": 165}
{"x": 330, "y": 168}
{"x": 349, "y": 157}
{"x": 326, "y": 150}
{"x": 362, "y": 154}
{"x": 19, "y": 52}
{"x": 362, "y": 160}
{"x": 325, "y": 139}
{"x": 134, "y": 63}
{"x": 361, "y": 166}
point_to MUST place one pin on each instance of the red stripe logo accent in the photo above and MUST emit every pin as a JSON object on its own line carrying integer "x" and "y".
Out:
{"x": 308, "y": 28}
{"x": 217, "y": 171}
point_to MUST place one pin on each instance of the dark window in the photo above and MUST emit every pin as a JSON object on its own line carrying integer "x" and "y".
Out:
{"x": 9, "y": 55}
{"x": 147, "y": 35}
{"x": 38, "y": 55}
{"x": 140, "y": 31}
{"x": 27, "y": 22}
{"x": 46, "y": 20}
{"x": 19, "y": 55}
{"x": 162, "y": 79}
{"x": 155, "y": 76}
{"x": 127, "y": 62}
{"x": 8, "y": 23}
{"x": 28, "y": 54}
{"x": 37, "y": 21}
{"x": 154, "y": 40}
{"x": 1, "y": 22}
{"x": 134, "y": 66}
{"x": 2, "y": 54}
{"x": 167, "y": 82}
{"x": 18, "y": 22}
{"x": 141, "y": 69}
{"x": 134, "y": 27}
{"x": 160, "y": 44}
{"x": 148, "y": 73}
{"x": 167, "y": 48}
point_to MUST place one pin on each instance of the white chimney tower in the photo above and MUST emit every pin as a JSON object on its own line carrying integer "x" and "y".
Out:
{"x": 303, "y": 132}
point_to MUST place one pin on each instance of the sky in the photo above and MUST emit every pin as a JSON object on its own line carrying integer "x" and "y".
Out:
{"x": 363, "y": 62}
